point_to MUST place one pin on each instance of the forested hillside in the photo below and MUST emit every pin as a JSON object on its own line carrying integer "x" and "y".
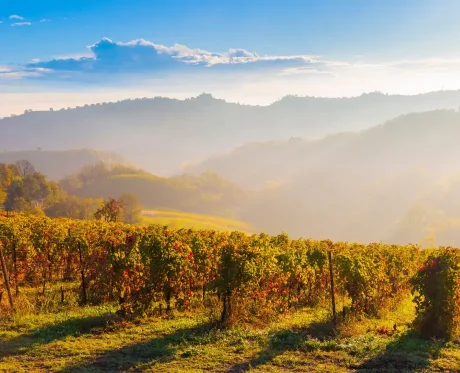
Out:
{"x": 56, "y": 164}
{"x": 161, "y": 135}
{"x": 206, "y": 194}
{"x": 425, "y": 141}
{"x": 394, "y": 182}
{"x": 79, "y": 195}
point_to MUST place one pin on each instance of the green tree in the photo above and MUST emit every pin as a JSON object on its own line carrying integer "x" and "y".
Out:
{"x": 91, "y": 173}
{"x": 29, "y": 193}
{"x": 74, "y": 207}
{"x": 88, "y": 207}
{"x": 7, "y": 174}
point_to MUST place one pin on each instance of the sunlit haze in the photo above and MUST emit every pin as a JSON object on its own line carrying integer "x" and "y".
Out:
{"x": 60, "y": 54}
{"x": 229, "y": 186}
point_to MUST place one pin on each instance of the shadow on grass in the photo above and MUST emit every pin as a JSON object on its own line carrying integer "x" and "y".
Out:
{"x": 307, "y": 338}
{"x": 408, "y": 353}
{"x": 49, "y": 333}
{"x": 157, "y": 350}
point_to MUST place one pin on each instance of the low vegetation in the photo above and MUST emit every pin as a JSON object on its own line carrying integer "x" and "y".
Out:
{"x": 106, "y": 296}
{"x": 253, "y": 276}
{"x": 94, "y": 339}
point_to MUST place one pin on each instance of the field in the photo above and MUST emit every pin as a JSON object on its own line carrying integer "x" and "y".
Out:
{"x": 176, "y": 219}
{"x": 91, "y": 296}
{"x": 92, "y": 339}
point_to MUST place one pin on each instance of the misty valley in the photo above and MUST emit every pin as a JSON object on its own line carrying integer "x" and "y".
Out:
{"x": 135, "y": 228}
{"x": 373, "y": 168}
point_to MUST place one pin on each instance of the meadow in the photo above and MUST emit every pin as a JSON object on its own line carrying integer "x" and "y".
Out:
{"x": 94, "y": 339}
{"x": 179, "y": 219}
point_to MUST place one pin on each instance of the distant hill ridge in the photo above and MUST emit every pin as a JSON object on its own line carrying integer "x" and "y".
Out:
{"x": 426, "y": 140}
{"x": 397, "y": 182}
{"x": 162, "y": 134}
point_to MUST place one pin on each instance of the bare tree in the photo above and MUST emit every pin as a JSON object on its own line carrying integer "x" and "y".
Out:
{"x": 24, "y": 168}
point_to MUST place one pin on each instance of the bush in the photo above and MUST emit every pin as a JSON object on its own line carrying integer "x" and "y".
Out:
{"x": 437, "y": 294}
{"x": 374, "y": 276}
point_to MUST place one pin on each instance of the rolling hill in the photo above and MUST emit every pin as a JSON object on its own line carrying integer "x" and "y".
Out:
{"x": 394, "y": 182}
{"x": 207, "y": 193}
{"x": 422, "y": 141}
{"x": 161, "y": 135}
{"x": 390, "y": 182}
{"x": 56, "y": 164}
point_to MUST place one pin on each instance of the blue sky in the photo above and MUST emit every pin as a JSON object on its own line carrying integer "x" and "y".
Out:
{"x": 63, "y": 52}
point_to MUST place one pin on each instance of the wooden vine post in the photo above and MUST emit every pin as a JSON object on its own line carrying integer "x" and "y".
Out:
{"x": 15, "y": 263}
{"x": 331, "y": 273}
{"x": 5, "y": 276}
{"x": 82, "y": 273}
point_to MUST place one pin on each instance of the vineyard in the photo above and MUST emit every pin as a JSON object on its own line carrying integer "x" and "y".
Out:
{"x": 143, "y": 267}
{"x": 245, "y": 279}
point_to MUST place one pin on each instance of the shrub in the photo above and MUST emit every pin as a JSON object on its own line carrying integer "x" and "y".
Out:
{"x": 436, "y": 286}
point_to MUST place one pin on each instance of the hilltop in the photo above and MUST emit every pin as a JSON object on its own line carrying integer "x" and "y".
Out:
{"x": 207, "y": 193}
{"x": 161, "y": 135}
{"x": 417, "y": 141}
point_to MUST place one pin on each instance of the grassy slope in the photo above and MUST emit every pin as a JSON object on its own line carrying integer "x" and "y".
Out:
{"x": 85, "y": 340}
{"x": 204, "y": 194}
{"x": 176, "y": 219}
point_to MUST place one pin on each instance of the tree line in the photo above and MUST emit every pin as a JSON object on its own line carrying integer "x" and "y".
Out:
{"x": 24, "y": 189}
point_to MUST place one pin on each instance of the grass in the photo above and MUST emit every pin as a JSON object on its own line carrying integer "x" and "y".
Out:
{"x": 175, "y": 219}
{"x": 93, "y": 339}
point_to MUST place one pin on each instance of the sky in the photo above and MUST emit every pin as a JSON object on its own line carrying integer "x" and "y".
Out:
{"x": 56, "y": 53}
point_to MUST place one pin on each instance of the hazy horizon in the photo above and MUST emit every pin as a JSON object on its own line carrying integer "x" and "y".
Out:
{"x": 74, "y": 103}
{"x": 237, "y": 51}
{"x": 382, "y": 81}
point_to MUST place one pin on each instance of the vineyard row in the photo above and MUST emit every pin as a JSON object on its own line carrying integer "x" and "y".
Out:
{"x": 251, "y": 275}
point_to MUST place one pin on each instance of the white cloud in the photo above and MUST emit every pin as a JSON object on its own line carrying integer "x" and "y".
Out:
{"x": 237, "y": 74}
{"x": 21, "y": 24}
{"x": 142, "y": 56}
{"x": 44, "y": 20}
{"x": 15, "y": 16}
{"x": 17, "y": 73}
